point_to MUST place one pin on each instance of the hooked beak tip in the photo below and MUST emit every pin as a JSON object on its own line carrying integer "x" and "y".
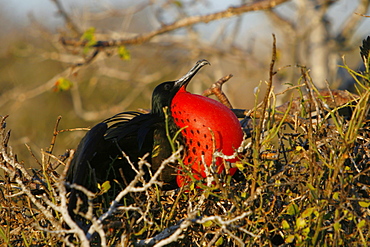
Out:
{"x": 183, "y": 81}
{"x": 203, "y": 62}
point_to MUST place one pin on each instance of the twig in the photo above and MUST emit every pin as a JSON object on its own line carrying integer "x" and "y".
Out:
{"x": 53, "y": 139}
{"x": 32, "y": 154}
{"x": 351, "y": 24}
{"x": 172, "y": 233}
{"x": 66, "y": 17}
{"x": 216, "y": 89}
{"x": 131, "y": 187}
{"x": 259, "y": 129}
{"x": 367, "y": 16}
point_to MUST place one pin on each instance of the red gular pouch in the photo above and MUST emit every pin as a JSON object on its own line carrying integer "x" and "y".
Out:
{"x": 207, "y": 126}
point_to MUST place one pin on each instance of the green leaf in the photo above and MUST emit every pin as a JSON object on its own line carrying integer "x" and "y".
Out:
{"x": 336, "y": 196}
{"x": 89, "y": 34}
{"x": 307, "y": 212}
{"x": 88, "y": 46}
{"x": 243, "y": 194}
{"x": 306, "y": 231}
{"x": 349, "y": 216}
{"x": 316, "y": 213}
{"x": 142, "y": 231}
{"x": 62, "y": 84}
{"x": 240, "y": 165}
{"x": 310, "y": 186}
{"x": 277, "y": 183}
{"x": 293, "y": 209}
{"x": 208, "y": 223}
{"x": 123, "y": 53}
{"x": 312, "y": 189}
{"x": 337, "y": 226}
{"x": 289, "y": 239}
{"x": 192, "y": 186}
{"x": 285, "y": 225}
{"x": 361, "y": 224}
{"x": 219, "y": 241}
{"x": 364, "y": 204}
{"x": 300, "y": 223}
{"x": 299, "y": 148}
{"x": 103, "y": 187}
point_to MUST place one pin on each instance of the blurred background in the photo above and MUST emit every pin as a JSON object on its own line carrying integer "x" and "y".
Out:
{"x": 34, "y": 63}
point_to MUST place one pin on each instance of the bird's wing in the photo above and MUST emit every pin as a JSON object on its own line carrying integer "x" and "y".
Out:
{"x": 80, "y": 171}
{"x": 124, "y": 127}
{"x": 86, "y": 150}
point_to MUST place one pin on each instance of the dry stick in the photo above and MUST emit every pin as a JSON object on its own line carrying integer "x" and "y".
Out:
{"x": 53, "y": 139}
{"x": 2, "y": 122}
{"x": 309, "y": 129}
{"x": 7, "y": 135}
{"x": 216, "y": 89}
{"x": 32, "y": 154}
{"x": 89, "y": 59}
{"x": 131, "y": 187}
{"x": 367, "y": 16}
{"x": 25, "y": 189}
{"x": 258, "y": 130}
{"x": 73, "y": 129}
{"x": 192, "y": 214}
{"x": 141, "y": 38}
{"x": 172, "y": 233}
{"x": 14, "y": 165}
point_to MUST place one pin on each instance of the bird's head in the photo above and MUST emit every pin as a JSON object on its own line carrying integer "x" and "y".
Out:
{"x": 166, "y": 91}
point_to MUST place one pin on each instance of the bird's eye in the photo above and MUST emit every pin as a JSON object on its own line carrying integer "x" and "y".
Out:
{"x": 167, "y": 87}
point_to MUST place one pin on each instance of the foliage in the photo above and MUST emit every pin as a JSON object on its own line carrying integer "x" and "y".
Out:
{"x": 62, "y": 84}
{"x": 303, "y": 181}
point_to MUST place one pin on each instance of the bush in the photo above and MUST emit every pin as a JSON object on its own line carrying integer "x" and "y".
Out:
{"x": 304, "y": 181}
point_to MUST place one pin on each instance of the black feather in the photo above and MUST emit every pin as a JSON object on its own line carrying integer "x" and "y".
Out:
{"x": 365, "y": 51}
{"x": 101, "y": 154}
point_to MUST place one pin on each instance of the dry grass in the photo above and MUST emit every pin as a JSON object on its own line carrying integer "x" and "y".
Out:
{"x": 304, "y": 181}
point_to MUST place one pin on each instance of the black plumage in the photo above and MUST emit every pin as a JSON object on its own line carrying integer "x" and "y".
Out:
{"x": 99, "y": 156}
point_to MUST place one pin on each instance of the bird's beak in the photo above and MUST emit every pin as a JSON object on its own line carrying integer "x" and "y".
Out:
{"x": 183, "y": 81}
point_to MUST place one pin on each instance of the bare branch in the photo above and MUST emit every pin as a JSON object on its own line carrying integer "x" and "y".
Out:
{"x": 216, "y": 89}
{"x": 131, "y": 187}
{"x": 351, "y": 24}
{"x": 188, "y": 21}
{"x": 64, "y": 14}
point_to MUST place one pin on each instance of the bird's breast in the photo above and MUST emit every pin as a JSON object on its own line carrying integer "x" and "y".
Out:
{"x": 208, "y": 126}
